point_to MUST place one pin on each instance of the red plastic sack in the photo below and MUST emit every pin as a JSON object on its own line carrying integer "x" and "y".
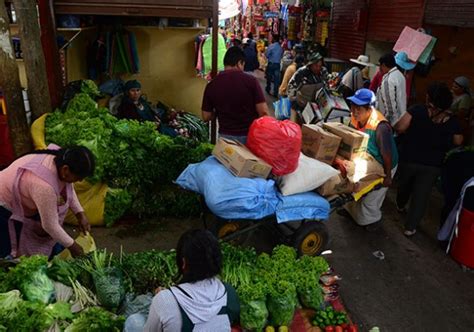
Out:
{"x": 276, "y": 142}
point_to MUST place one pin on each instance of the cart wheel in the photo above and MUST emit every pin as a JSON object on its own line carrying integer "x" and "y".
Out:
{"x": 222, "y": 228}
{"x": 310, "y": 238}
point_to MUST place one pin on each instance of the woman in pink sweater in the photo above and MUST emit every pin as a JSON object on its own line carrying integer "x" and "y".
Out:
{"x": 35, "y": 194}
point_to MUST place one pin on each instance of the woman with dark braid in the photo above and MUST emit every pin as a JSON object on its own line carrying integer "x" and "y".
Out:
{"x": 200, "y": 302}
{"x": 35, "y": 194}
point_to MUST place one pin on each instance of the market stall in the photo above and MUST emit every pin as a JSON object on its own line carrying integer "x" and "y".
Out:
{"x": 99, "y": 291}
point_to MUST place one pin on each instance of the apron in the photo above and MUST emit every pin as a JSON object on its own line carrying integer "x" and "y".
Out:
{"x": 32, "y": 239}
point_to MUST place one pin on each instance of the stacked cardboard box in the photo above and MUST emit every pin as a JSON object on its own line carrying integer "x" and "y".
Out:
{"x": 319, "y": 143}
{"x": 237, "y": 158}
{"x": 354, "y": 142}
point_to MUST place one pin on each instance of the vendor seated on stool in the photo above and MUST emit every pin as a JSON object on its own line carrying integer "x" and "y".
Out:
{"x": 364, "y": 117}
{"x": 134, "y": 106}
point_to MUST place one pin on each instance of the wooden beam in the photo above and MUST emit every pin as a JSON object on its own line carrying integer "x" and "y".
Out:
{"x": 97, "y": 8}
{"x": 51, "y": 51}
{"x": 38, "y": 90}
{"x": 11, "y": 88}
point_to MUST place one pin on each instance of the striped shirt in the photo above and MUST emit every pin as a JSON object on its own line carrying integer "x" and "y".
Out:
{"x": 392, "y": 96}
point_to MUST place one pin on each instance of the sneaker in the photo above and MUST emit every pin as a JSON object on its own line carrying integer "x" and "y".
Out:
{"x": 409, "y": 233}
{"x": 402, "y": 209}
{"x": 374, "y": 226}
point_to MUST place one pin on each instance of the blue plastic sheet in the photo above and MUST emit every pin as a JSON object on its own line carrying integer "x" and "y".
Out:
{"x": 302, "y": 206}
{"x": 231, "y": 197}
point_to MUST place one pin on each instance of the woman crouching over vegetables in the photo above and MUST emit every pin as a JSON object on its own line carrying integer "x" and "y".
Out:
{"x": 201, "y": 302}
{"x": 36, "y": 192}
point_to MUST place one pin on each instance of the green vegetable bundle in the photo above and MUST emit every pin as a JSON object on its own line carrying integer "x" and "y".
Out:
{"x": 96, "y": 320}
{"x": 310, "y": 292}
{"x": 30, "y": 277}
{"x": 329, "y": 317}
{"x": 309, "y": 270}
{"x": 282, "y": 303}
{"x": 253, "y": 308}
{"x": 132, "y": 158}
{"x": 149, "y": 270}
{"x": 108, "y": 279}
{"x": 237, "y": 265}
{"x": 23, "y": 316}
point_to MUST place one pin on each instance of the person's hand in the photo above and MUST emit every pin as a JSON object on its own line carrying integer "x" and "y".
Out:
{"x": 387, "y": 181}
{"x": 76, "y": 250}
{"x": 339, "y": 164}
{"x": 83, "y": 223}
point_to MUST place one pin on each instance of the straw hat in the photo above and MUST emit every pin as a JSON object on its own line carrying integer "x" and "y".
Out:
{"x": 362, "y": 60}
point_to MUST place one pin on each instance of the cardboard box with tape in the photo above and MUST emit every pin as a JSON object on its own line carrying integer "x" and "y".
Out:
{"x": 354, "y": 142}
{"x": 360, "y": 173}
{"x": 319, "y": 143}
{"x": 237, "y": 158}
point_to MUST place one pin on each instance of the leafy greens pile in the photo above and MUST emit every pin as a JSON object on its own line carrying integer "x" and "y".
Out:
{"x": 269, "y": 286}
{"x": 132, "y": 158}
{"x": 90, "y": 290}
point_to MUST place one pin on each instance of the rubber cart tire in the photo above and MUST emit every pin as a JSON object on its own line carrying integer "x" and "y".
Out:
{"x": 222, "y": 228}
{"x": 310, "y": 238}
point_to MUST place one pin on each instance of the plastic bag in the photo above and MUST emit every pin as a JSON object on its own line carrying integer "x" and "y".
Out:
{"x": 229, "y": 196}
{"x": 302, "y": 206}
{"x": 86, "y": 241}
{"x": 40, "y": 288}
{"x": 282, "y": 309}
{"x": 276, "y": 142}
{"x": 136, "y": 304}
{"x": 282, "y": 108}
{"x": 310, "y": 292}
{"x": 253, "y": 315}
{"x": 109, "y": 287}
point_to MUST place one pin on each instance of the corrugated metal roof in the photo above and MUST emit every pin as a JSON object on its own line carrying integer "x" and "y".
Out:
{"x": 345, "y": 41}
{"x": 458, "y": 13}
{"x": 387, "y": 18}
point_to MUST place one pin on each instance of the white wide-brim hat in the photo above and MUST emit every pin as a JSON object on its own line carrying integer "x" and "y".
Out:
{"x": 362, "y": 60}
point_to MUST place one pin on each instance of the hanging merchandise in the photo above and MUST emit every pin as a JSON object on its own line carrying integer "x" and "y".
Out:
{"x": 307, "y": 24}
{"x": 228, "y": 9}
{"x": 114, "y": 52}
{"x": 203, "y": 54}
{"x": 294, "y": 22}
{"x": 322, "y": 26}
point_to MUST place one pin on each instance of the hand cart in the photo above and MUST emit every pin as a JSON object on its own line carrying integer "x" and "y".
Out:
{"x": 308, "y": 237}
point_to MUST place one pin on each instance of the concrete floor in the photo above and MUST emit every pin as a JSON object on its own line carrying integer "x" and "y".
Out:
{"x": 417, "y": 287}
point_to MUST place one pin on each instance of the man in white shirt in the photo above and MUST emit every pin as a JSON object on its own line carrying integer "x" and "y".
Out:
{"x": 391, "y": 95}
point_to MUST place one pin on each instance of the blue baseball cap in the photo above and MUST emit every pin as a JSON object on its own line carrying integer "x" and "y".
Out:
{"x": 363, "y": 97}
{"x": 401, "y": 59}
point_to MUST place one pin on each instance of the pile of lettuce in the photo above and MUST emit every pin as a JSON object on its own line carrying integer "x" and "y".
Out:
{"x": 132, "y": 158}
{"x": 270, "y": 287}
{"x": 91, "y": 292}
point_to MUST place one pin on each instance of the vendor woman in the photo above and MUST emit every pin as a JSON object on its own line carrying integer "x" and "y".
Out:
{"x": 35, "y": 193}
{"x": 134, "y": 106}
{"x": 364, "y": 117}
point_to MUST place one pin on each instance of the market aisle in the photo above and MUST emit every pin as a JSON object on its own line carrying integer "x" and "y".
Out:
{"x": 260, "y": 75}
{"x": 415, "y": 288}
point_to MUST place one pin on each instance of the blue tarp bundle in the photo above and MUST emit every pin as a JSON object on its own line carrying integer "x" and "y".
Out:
{"x": 231, "y": 197}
